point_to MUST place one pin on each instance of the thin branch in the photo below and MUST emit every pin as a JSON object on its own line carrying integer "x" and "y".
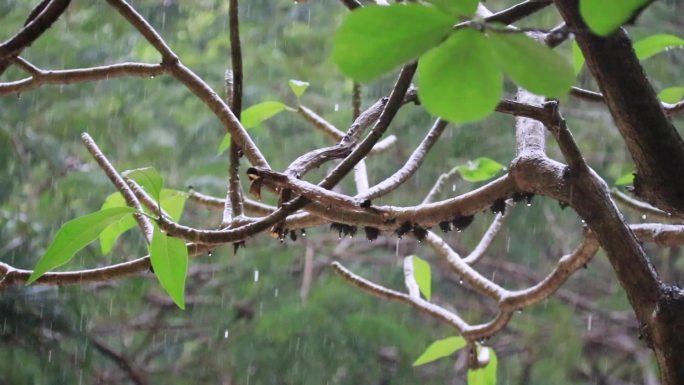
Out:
{"x": 194, "y": 83}
{"x": 642, "y": 208}
{"x": 487, "y": 239}
{"x": 592, "y": 96}
{"x": 40, "y": 19}
{"x": 518, "y": 11}
{"x": 120, "y": 185}
{"x": 437, "y": 187}
{"x": 460, "y": 267}
{"x": 411, "y": 165}
{"x": 80, "y": 75}
{"x": 12, "y": 276}
{"x": 335, "y": 134}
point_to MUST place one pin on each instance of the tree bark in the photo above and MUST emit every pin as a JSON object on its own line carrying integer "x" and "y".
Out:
{"x": 651, "y": 138}
{"x": 658, "y": 152}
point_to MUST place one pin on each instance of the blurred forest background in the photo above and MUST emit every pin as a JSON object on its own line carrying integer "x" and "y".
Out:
{"x": 254, "y": 317}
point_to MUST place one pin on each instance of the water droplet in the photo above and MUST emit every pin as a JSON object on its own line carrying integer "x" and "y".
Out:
{"x": 519, "y": 311}
{"x": 460, "y": 281}
{"x": 275, "y": 292}
{"x": 50, "y": 355}
{"x": 337, "y": 107}
{"x": 453, "y": 187}
{"x": 256, "y": 275}
{"x": 225, "y": 334}
{"x": 643, "y": 217}
{"x": 303, "y": 233}
{"x": 589, "y": 322}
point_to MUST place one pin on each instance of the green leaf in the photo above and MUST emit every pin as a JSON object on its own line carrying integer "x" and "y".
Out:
{"x": 486, "y": 375}
{"x": 459, "y": 80}
{"x": 479, "y": 169}
{"x": 373, "y": 40}
{"x": 440, "y": 349}
{"x": 626, "y": 179}
{"x": 148, "y": 178}
{"x": 298, "y": 87}
{"x": 422, "y": 274}
{"x": 577, "y": 57}
{"x": 605, "y": 16}
{"x": 656, "y": 44}
{"x": 456, "y": 7}
{"x": 75, "y": 235}
{"x": 172, "y": 201}
{"x": 254, "y": 115}
{"x": 672, "y": 94}
{"x": 533, "y": 66}
{"x": 169, "y": 257}
{"x": 257, "y": 113}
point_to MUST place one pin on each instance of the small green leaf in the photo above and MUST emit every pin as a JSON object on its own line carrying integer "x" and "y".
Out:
{"x": 656, "y": 44}
{"x": 172, "y": 201}
{"x": 479, "y": 169}
{"x": 626, "y": 179}
{"x": 373, "y": 40}
{"x": 486, "y": 375}
{"x": 459, "y": 80}
{"x": 75, "y": 235}
{"x": 440, "y": 349}
{"x": 169, "y": 257}
{"x": 148, "y": 178}
{"x": 422, "y": 274}
{"x": 298, "y": 87}
{"x": 672, "y": 95}
{"x": 605, "y": 16}
{"x": 532, "y": 65}
{"x": 257, "y": 113}
{"x": 225, "y": 143}
{"x": 456, "y": 7}
{"x": 577, "y": 57}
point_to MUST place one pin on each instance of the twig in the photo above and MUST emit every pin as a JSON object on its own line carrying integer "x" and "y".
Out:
{"x": 642, "y": 207}
{"x": 120, "y": 185}
{"x": 194, "y": 83}
{"x": 486, "y": 239}
{"x": 40, "y": 19}
{"x": 41, "y": 77}
{"x": 411, "y": 165}
{"x": 467, "y": 273}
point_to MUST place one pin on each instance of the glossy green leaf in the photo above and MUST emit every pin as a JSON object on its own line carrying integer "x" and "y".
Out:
{"x": 672, "y": 94}
{"x": 148, "y": 178}
{"x": 373, "y": 40}
{"x": 577, "y": 57}
{"x": 605, "y": 16}
{"x": 423, "y": 276}
{"x": 486, "y": 375}
{"x": 656, "y": 44}
{"x": 172, "y": 201}
{"x": 456, "y": 7}
{"x": 75, "y": 235}
{"x": 440, "y": 349}
{"x": 257, "y": 113}
{"x": 459, "y": 80}
{"x": 479, "y": 169}
{"x": 254, "y": 115}
{"x": 298, "y": 87}
{"x": 169, "y": 257}
{"x": 532, "y": 65}
{"x": 626, "y": 179}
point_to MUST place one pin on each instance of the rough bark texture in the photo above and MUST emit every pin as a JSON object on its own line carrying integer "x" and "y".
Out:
{"x": 658, "y": 152}
{"x": 652, "y": 140}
